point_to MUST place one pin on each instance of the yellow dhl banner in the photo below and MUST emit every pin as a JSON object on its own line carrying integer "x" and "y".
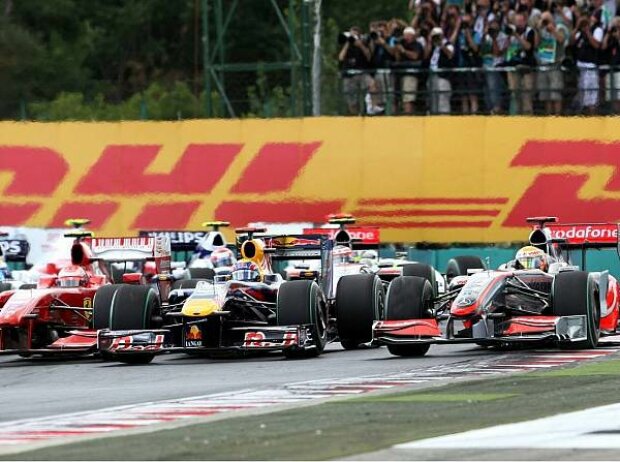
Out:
{"x": 436, "y": 179}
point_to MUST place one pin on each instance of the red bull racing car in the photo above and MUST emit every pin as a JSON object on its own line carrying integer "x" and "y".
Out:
{"x": 255, "y": 309}
{"x": 538, "y": 298}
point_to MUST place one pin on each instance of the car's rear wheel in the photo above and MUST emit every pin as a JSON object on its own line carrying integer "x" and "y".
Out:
{"x": 359, "y": 302}
{"x": 301, "y": 303}
{"x": 575, "y": 293}
{"x": 458, "y": 266}
{"x": 409, "y": 297}
{"x": 423, "y": 271}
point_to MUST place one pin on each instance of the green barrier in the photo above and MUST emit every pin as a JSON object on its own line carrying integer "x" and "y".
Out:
{"x": 596, "y": 259}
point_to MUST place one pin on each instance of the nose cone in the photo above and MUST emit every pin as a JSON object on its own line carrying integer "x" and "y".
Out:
{"x": 199, "y": 308}
{"x": 464, "y": 307}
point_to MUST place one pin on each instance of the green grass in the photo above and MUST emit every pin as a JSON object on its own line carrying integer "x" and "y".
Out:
{"x": 598, "y": 368}
{"x": 342, "y": 428}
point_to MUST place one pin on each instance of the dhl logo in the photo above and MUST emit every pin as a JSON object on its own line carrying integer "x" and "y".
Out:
{"x": 401, "y": 175}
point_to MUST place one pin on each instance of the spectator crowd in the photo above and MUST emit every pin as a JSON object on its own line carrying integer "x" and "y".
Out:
{"x": 486, "y": 57}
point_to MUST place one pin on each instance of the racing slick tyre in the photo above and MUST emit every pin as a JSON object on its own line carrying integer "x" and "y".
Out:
{"x": 102, "y": 306}
{"x": 134, "y": 307}
{"x": 575, "y": 293}
{"x": 126, "y": 307}
{"x": 359, "y": 302}
{"x": 424, "y": 271}
{"x": 4, "y": 286}
{"x": 22, "y": 287}
{"x": 301, "y": 302}
{"x": 458, "y": 266}
{"x": 409, "y": 297}
{"x": 187, "y": 283}
{"x": 201, "y": 273}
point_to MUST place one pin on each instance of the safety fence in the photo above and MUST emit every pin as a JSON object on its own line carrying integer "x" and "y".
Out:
{"x": 509, "y": 90}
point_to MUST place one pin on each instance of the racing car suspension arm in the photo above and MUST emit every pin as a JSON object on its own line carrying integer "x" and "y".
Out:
{"x": 524, "y": 286}
{"x": 526, "y": 293}
{"x": 79, "y": 310}
{"x": 444, "y": 301}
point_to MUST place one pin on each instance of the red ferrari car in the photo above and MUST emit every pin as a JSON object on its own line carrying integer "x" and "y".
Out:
{"x": 539, "y": 297}
{"x": 65, "y": 311}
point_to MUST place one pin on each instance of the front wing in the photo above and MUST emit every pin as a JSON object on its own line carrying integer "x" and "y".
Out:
{"x": 250, "y": 338}
{"x": 565, "y": 329}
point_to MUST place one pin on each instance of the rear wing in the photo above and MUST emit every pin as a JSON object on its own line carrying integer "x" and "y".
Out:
{"x": 359, "y": 237}
{"x": 15, "y": 250}
{"x": 298, "y": 246}
{"x": 305, "y": 247}
{"x": 593, "y": 235}
{"x": 180, "y": 241}
{"x": 575, "y": 236}
{"x": 133, "y": 249}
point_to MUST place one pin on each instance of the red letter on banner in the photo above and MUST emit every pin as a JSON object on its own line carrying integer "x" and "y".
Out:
{"x": 120, "y": 170}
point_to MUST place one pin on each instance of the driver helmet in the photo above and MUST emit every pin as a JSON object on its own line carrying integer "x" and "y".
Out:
{"x": 72, "y": 276}
{"x": 246, "y": 271}
{"x": 222, "y": 258}
{"x": 530, "y": 257}
{"x": 369, "y": 257}
{"x": 343, "y": 254}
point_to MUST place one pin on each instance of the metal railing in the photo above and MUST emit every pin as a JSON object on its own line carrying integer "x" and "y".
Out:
{"x": 509, "y": 90}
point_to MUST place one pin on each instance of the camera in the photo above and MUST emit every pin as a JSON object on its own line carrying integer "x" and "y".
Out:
{"x": 509, "y": 29}
{"x": 493, "y": 32}
{"x": 544, "y": 22}
{"x": 345, "y": 37}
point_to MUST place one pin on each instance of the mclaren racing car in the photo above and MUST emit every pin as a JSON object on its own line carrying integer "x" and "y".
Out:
{"x": 540, "y": 297}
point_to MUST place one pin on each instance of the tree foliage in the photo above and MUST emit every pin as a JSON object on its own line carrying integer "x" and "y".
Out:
{"x": 131, "y": 59}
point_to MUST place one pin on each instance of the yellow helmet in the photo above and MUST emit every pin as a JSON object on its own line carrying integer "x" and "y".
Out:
{"x": 530, "y": 257}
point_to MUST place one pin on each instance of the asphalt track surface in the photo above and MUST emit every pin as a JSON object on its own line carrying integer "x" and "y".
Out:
{"x": 45, "y": 387}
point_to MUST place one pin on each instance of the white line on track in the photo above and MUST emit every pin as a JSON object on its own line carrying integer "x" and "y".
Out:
{"x": 595, "y": 428}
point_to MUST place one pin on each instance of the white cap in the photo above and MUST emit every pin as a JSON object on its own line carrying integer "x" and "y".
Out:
{"x": 409, "y": 30}
{"x": 436, "y": 31}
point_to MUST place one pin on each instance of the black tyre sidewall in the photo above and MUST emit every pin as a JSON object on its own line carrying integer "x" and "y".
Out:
{"x": 300, "y": 302}
{"x": 422, "y": 270}
{"x": 359, "y": 302}
{"x": 458, "y": 266}
{"x": 102, "y": 306}
{"x": 409, "y": 350}
{"x": 408, "y": 297}
{"x": 574, "y": 293}
{"x": 133, "y": 307}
